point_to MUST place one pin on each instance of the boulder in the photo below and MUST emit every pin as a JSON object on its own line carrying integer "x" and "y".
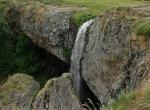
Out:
{"x": 58, "y": 94}
{"x": 50, "y": 27}
{"x": 18, "y": 92}
{"x": 108, "y": 62}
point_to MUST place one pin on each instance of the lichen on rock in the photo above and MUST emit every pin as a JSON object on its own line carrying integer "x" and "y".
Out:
{"x": 18, "y": 92}
{"x": 110, "y": 64}
{"x": 58, "y": 94}
{"x": 50, "y": 27}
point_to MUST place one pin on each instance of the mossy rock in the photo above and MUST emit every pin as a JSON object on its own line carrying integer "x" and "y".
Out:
{"x": 67, "y": 52}
{"x": 81, "y": 17}
{"x": 18, "y": 91}
{"x": 58, "y": 94}
{"x": 142, "y": 27}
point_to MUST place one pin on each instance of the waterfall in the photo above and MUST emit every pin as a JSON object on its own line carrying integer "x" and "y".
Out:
{"x": 80, "y": 40}
{"x": 76, "y": 60}
{"x": 78, "y": 51}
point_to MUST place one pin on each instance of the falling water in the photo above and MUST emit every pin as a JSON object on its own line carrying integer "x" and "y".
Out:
{"x": 78, "y": 52}
{"x": 76, "y": 69}
{"x": 80, "y": 40}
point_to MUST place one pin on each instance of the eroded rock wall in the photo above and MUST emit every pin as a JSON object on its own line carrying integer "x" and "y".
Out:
{"x": 110, "y": 63}
{"x": 18, "y": 92}
{"x": 58, "y": 94}
{"x": 49, "y": 27}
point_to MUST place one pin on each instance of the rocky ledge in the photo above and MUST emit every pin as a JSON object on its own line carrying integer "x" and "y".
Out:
{"x": 49, "y": 27}
{"x": 111, "y": 53}
{"x": 115, "y": 55}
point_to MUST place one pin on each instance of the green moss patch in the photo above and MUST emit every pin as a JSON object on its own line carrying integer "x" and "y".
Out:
{"x": 143, "y": 28}
{"x": 139, "y": 100}
{"x": 17, "y": 83}
{"x": 80, "y": 17}
{"x": 67, "y": 52}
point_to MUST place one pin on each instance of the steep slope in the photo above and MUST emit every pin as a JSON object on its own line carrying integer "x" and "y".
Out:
{"x": 58, "y": 94}
{"x": 111, "y": 55}
{"x": 18, "y": 92}
{"x": 114, "y": 58}
{"x": 47, "y": 26}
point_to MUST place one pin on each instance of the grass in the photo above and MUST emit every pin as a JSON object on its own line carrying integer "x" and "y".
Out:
{"x": 87, "y": 9}
{"x": 17, "y": 83}
{"x": 17, "y": 52}
{"x": 135, "y": 100}
{"x": 143, "y": 28}
{"x": 80, "y": 17}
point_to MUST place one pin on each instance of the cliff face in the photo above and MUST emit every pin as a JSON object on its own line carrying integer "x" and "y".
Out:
{"x": 108, "y": 56}
{"x": 58, "y": 94}
{"x": 18, "y": 92}
{"x": 49, "y": 27}
{"x": 113, "y": 57}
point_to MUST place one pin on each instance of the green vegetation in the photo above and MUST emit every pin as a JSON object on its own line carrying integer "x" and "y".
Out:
{"x": 80, "y": 17}
{"x": 94, "y": 6}
{"x": 16, "y": 55}
{"x": 87, "y": 9}
{"x": 143, "y": 28}
{"x": 139, "y": 100}
{"x": 123, "y": 101}
{"x": 19, "y": 83}
{"x": 17, "y": 52}
{"x": 67, "y": 52}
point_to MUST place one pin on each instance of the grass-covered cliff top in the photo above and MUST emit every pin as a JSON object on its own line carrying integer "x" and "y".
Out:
{"x": 86, "y": 9}
{"x": 94, "y": 6}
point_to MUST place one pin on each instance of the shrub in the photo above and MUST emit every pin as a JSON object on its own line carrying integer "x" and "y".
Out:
{"x": 123, "y": 101}
{"x": 17, "y": 54}
{"x": 143, "y": 28}
{"x": 80, "y": 18}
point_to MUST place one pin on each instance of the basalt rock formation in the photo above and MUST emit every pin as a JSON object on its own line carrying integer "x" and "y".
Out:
{"x": 58, "y": 94}
{"x": 49, "y": 27}
{"x": 18, "y": 92}
{"x": 111, "y": 58}
{"x": 108, "y": 56}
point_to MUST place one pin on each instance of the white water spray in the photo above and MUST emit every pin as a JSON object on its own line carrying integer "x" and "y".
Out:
{"x": 80, "y": 40}
{"x": 77, "y": 53}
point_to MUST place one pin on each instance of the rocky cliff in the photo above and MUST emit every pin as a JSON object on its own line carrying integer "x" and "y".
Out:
{"x": 18, "y": 92}
{"x": 58, "y": 94}
{"x": 50, "y": 27}
{"x": 113, "y": 58}
{"x": 110, "y": 55}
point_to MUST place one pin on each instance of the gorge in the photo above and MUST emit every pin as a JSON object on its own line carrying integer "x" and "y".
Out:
{"x": 88, "y": 69}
